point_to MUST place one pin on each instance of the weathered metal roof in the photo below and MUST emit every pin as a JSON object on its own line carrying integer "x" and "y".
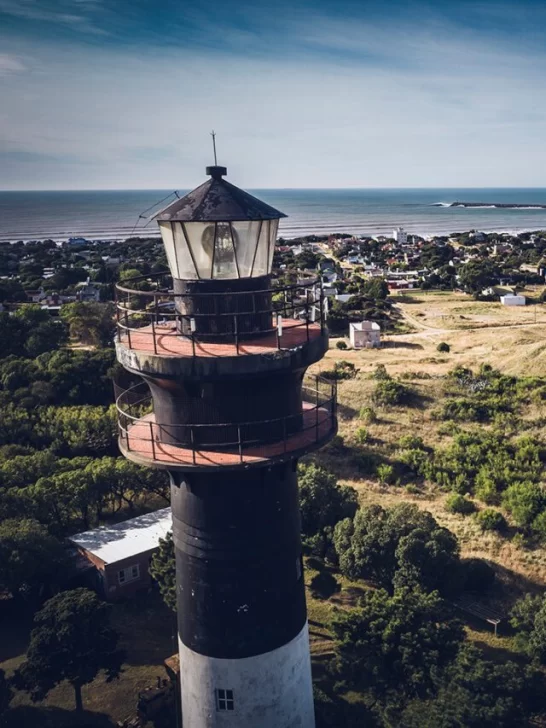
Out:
{"x": 218, "y": 201}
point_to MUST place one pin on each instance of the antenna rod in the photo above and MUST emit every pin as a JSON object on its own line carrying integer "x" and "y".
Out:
{"x": 213, "y": 135}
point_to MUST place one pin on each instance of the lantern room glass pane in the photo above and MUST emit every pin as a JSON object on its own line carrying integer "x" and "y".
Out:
{"x": 273, "y": 230}
{"x": 201, "y": 239}
{"x": 186, "y": 268}
{"x": 261, "y": 260}
{"x": 168, "y": 242}
{"x": 224, "y": 264}
{"x": 245, "y": 234}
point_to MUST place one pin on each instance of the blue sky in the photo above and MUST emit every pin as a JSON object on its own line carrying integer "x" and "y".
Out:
{"x": 331, "y": 93}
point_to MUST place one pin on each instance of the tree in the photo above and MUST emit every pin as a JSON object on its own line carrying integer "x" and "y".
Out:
{"x": 322, "y": 501}
{"x": 478, "y": 693}
{"x": 478, "y": 274}
{"x": 72, "y": 640}
{"x": 402, "y": 545}
{"x": 90, "y": 322}
{"x": 395, "y": 644}
{"x": 528, "y": 617}
{"x": 163, "y": 570}
{"x": 40, "y": 332}
{"x": 31, "y": 559}
{"x": 322, "y": 504}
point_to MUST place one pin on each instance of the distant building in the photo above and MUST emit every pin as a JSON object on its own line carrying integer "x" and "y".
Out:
{"x": 400, "y": 235}
{"x": 87, "y": 291}
{"x": 365, "y": 335}
{"x": 121, "y": 553}
{"x": 512, "y": 300}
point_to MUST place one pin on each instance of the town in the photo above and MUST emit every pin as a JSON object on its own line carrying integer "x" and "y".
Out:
{"x": 435, "y": 349}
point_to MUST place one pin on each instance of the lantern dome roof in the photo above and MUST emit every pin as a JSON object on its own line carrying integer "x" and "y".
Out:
{"x": 217, "y": 200}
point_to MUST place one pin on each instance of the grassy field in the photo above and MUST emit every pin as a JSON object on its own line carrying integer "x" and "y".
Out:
{"x": 477, "y": 333}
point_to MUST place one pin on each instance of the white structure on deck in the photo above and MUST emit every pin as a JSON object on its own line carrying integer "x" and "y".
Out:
{"x": 512, "y": 300}
{"x": 400, "y": 235}
{"x": 365, "y": 335}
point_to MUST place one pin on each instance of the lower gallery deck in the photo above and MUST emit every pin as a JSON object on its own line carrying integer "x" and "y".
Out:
{"x": 140, "y": 443}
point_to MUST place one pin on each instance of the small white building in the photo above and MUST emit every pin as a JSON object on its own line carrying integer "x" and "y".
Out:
{"x": 365, "y": 335}
{"x": 512, "y": 300}
{"x": 400, "y": 235}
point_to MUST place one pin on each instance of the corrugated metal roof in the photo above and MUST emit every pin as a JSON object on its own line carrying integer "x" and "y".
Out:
{"x": 126, "y": 539}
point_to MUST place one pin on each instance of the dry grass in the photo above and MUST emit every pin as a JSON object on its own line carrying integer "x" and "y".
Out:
{"x": 506, "y": 338}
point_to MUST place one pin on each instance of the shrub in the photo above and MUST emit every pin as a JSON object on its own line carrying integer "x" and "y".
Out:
{"x": 367, "y": 415}
{"x": 323, "y": 585}
{"x": 457, "y": 503}
{"x": 390, "y": 392}
{"x": 341, "y": 344}
{"x": 411, "y": 442}
{"x": 385, "y": 473}
{"x": 491, "y": 520}
{"x": 413, "y": 489}
{"x": 381, "y": 372}
{"x": 342, "y": 370}
{"x": 362, "y": 435}
{"x": 443, "y": 347}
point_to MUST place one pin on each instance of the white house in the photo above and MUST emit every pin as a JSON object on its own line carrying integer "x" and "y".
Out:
{"x": 512, "y": 300}
{"x": 365, "y": 335}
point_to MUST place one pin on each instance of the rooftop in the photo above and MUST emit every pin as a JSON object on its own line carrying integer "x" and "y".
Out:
{"x": 128, "y": 538}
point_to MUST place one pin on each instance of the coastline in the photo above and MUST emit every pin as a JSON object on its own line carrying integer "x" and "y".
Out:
{"x": 286, "y": 235}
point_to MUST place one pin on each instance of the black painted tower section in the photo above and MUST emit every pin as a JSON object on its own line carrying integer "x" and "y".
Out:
{"x": 237, "y": 539}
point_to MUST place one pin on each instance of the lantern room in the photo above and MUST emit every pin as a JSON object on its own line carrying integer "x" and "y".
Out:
{"x": 219, "y": 232}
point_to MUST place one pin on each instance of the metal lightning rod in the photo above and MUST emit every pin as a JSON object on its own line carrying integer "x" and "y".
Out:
{"x": 213, "y": 135}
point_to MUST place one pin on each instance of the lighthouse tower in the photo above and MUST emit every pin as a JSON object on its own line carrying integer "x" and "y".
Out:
{"x": 225, "y": 406}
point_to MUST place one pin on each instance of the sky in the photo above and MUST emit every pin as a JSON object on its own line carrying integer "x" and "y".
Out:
{"x": 118, "y": 94}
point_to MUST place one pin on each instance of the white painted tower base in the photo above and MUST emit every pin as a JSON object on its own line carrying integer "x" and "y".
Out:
{"x": 273, "y": 690}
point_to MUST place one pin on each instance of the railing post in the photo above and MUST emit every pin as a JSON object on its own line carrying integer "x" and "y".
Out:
{"x": 156, "y": 310}
{"x": 128, "y": 329}
{"x": 317, "y": 407}
{"x": 192, "y": 441}
{"x": 321, "y": 308}
{"x": 152, "y": 440}
{"x": 153, "y": 336}
{"x": 240, "y": 443}
{"x": 236, "y": 330}
{"x": 118, "y": 332}
{"x": 127, "y": 436}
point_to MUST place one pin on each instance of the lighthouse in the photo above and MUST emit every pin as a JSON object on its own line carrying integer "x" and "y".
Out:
{"x": 226, "y": 407}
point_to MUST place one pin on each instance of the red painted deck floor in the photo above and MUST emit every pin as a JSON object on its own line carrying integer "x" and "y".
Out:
{"x": 169, "y": 343}
{"x": 139, "y": 441}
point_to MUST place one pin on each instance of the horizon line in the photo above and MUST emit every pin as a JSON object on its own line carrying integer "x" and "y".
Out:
{"x": 272, "y": 189}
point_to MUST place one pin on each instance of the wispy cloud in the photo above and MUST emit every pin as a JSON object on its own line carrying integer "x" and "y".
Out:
{"x": 10, "y": 64}
{"x": 56, "y": 12}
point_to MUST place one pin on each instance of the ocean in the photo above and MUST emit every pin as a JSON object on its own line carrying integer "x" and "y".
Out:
{"x": 115, "y": 214}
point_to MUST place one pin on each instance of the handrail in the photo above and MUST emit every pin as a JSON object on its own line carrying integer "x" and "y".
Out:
{"x": 161, "y": 314}
{"x": 304, "y": 282}
{"x": 312, "y": 392}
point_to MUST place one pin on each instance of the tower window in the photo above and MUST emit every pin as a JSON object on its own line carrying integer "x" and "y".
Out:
{"x": 224, "y": 699}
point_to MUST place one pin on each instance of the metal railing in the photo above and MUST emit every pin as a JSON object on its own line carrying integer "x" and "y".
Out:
{"x": 191, "y": 442}
{"x": 148, "y": 306}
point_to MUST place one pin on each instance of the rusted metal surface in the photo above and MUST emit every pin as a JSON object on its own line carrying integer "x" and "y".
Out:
{"x": 217, "y": 200}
